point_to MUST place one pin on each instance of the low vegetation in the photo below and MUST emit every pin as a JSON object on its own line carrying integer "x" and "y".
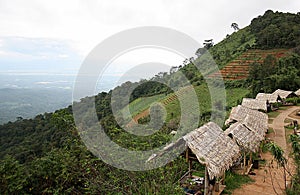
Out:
{"x": 234, "y": 181}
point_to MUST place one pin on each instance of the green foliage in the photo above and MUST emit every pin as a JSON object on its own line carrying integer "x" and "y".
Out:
{"x": 231, "y": 84}
{"x": 13, "y": 176}
{"x": 272, "y": 74}
{"x": 208, "y": 43}
{"x": 143, "y": 103}
{"x": 276, "y": 30}
{"x": 294, "y": 101}
{"x": 295, "y": 142}
{"x": 149, "y": 88}
{"x": 277, "y": 153}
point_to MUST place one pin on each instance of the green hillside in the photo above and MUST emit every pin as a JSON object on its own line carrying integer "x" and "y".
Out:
{"x": 172, "y": 104}
{"x": 45, "y": 155}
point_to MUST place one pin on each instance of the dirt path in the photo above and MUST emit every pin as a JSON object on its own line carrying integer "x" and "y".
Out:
{"x": 278, "y": 126}
{"x": 269, "y": 178}
{"x": 137, "y": 117}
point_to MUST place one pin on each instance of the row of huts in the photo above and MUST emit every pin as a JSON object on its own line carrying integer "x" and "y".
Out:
{"x": 264, "y": 101}
{"x": 219, "y": 150}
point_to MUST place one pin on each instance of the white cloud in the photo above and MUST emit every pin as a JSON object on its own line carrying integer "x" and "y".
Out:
{"x": 63, "y": 56}
{"x": 88, "y": 22}
{"x": 83, "y": 24}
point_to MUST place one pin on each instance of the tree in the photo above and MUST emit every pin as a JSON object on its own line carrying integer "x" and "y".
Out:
{"x": 235, "y": 26}
{"x": 13, "y": 176}
{"x": 279, "y": 157}
{"x": 200, "y": 51}
{"x": 173, "y": 69}
{"x": 208, "y": 43}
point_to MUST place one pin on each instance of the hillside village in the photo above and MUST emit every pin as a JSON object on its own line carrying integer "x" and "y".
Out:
{"x": 256, "y": 150}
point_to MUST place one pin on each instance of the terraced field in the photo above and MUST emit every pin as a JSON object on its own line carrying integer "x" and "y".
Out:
{"x": 239, "y": 68}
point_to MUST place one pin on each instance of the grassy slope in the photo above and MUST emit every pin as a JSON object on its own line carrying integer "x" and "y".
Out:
{"x": 144, "y": 103}
{"x": 233, "y": 96}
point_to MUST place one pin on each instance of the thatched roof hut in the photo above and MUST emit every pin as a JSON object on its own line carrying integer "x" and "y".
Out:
{"x": 239, "y": 114}
{"x": 212, "y": 148}
{"x": 245, "y": 138}
{"x": 284, "y": 94}
{"x": 272, "y": 98}
{"x": 297, "y": 92}
{"x": 255, "y": 104}
{"x": 259, "y": 126}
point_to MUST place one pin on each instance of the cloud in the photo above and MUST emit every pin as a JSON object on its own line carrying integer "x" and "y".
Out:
{"x": 86, "y": 23}
{"x": 37, "y": 55}
{"x": 35, "y": 47}
{"x": 63, "y": 55}
{"x": 66, "y": 31}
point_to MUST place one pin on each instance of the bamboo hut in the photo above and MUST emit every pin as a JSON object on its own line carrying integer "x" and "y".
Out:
{"x": 248, "y": 140}
{"x": 255, "y": 104}
{"x": 240, "y": 113}
{"x": 284, "y": 94}
{"x": 271, "y": 98}
{"x": 259, "y": 126}
{"x": 210, "y": 146}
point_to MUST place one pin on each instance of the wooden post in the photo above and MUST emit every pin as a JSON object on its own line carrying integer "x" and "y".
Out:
{"x": 244, "y": 163}
{"x": 190, "y": 168}
{"x": 188, "y": 161}
{"x": 206, "y": 187}
{"x": 187, "y": 155}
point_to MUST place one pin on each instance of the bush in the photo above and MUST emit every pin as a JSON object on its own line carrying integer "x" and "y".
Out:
{"x": 295, "y": 100}
{"x": 277, "y": 104}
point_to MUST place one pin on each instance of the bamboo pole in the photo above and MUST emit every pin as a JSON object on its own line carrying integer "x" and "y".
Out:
{"x": 206, "y": 182}
{"x": 244, "y": 163}
{"x": 190, "y": 168}
{"x": 187, "y": 155}
{"x": 188, "y": 161}
{"x": 250, "y": 160}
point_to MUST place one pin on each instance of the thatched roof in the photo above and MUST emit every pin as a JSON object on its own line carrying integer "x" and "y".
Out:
{"x": 255, "y": 104}
{"x": 240, "y": 113}
{"x": 245, "y": 138}
{"x": 297, "y": 92}
{"x": 211, "y": 146}
{"x": 284, "y": 94}
{"x": 272, "y": 98}
{"x": 259, "y": 126}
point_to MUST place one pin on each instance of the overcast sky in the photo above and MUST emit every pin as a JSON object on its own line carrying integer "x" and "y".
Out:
{"x": 56, "y": 35}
